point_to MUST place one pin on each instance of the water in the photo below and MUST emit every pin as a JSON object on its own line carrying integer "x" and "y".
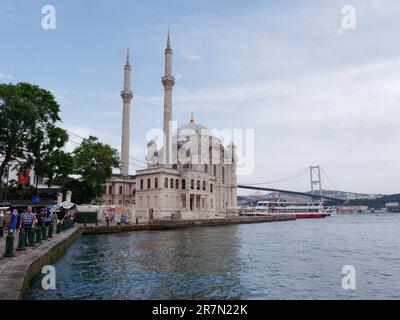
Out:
{"x": 284, "y": 260}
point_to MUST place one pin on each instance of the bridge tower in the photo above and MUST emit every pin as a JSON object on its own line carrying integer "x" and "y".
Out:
{"x": 315, "y": 177}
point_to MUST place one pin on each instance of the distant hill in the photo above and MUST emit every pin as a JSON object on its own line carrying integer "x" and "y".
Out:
{"x": 348, "y": 195}
{"x": 375, "y": 203}
{"x": 352, "y": 198}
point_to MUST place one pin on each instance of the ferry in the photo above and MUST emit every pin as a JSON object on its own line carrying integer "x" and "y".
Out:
{"x": 300, "y": 210}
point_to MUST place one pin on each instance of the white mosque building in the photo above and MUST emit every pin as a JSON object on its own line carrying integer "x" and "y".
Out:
{"x": 192, "y": 176}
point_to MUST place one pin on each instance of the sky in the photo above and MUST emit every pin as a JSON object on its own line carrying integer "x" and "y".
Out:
{"x": 314, "y": 93}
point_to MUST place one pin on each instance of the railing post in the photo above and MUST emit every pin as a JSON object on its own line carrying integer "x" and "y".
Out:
{"x": 9, "y": 245}
{"x": 44, "y": 232}
{"x": 31, "y": 238}
{"x": 50, "y": 234}
{"x": 38, "y": 235}
{"x": 21, "y": 240}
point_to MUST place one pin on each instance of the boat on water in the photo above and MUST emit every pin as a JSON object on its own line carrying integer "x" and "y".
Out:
{"x": 300, "y": 210}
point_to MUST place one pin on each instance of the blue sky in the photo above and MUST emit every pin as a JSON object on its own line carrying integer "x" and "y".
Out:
{"x": 313, "y": 92}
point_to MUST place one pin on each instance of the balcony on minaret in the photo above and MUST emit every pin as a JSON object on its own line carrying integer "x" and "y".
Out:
{"x": 126, "y": 95}
{"x": 168, "y": 81}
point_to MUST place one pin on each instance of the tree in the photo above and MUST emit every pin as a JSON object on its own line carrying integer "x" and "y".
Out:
{"x": 28, "y": 130}
{"x": 94, "y": 162}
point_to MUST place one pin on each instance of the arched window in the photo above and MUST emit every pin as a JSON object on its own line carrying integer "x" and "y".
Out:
{"x": 223, "y": 174}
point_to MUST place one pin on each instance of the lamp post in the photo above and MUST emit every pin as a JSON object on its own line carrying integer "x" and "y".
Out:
{"x": 7, "y": 179}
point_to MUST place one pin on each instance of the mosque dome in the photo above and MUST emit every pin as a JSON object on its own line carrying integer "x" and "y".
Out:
{"x": 190, "y": 128}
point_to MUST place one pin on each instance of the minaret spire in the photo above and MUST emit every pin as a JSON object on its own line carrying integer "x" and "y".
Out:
{"x": 168, "y": 82}
{"x": 168, "y": 41}
{"x": 126, "y": 95}
{"x": 128, "y": 53}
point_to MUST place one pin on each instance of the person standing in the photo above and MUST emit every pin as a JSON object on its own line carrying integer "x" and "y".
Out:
{"x": 28, "y": 219}
{"x": 1, "y": 224}
{"x": 48, "y": 219}
{"x": 13, "y": 219}
{"x": 19, "y": 212}
{"x": 40, "y": 218}
{"x": 61, "y": 214}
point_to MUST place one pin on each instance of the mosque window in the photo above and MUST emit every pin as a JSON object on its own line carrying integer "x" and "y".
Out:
{"x": 177, "y": 183}
{"x": 211, "y": 188}
{"x": 204, "y": 185}
{"x": 223, "y": 175}
{"x": 172, "y": 184}
{"x": 120, "y": 190}
{"x": 156, "y": 183}
{"x": 198, "y": 184}
{"x": 192, "y": 184}
{"x": 120, "y": 202}
{"x": 141, "y": 184}
{"x": 166, "y": 183}
{"x": 110, "y": 190}
{"x": 206, "y": 167}
{"x": 148, "y": 183}
{"x": 215, "y": 170}
{"x": 183, "y": 184}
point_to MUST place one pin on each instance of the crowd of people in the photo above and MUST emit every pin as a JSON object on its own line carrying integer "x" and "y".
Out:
{"x": 15, "y": 219}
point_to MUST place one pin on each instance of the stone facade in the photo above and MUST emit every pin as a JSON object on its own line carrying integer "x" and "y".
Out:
{"x": 119, "y": 190}
{"x": 193, "y": 176}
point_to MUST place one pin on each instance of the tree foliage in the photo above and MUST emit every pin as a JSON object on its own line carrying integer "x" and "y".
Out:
{"x": 94, "y": 162}
{"x": 29, "y": 131}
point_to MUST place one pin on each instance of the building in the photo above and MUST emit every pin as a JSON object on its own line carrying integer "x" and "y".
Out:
{"x": 22, "y": 181}
{"x": 392, "y": 206}
{"x": 192, "y": 175}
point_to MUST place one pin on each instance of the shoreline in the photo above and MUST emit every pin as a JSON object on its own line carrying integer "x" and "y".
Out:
{"x": 17, "y": 273}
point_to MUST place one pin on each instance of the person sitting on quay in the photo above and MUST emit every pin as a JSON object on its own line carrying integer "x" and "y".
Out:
{"x": 28, "y": 220}
{"x": 122, "y": 219}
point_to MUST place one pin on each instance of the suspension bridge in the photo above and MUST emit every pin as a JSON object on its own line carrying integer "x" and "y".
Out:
{"x": 315, "y": 179}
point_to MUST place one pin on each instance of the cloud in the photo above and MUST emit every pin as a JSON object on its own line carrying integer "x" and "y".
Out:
{"x": 191, "y": 57}
{"x": 6, "y": 76}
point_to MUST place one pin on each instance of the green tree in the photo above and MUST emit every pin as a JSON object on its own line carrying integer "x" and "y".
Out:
{"x": 28, "y": 130}
{"x": 94, "y": 162}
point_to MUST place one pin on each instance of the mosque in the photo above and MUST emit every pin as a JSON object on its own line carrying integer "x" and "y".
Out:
{"x": 192, "y": 176}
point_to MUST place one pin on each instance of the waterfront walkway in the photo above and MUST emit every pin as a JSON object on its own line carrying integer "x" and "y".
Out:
{"x": 17, "y": 272}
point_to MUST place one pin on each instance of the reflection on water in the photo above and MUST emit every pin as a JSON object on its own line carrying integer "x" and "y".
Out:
{"x": 297, "y": 259}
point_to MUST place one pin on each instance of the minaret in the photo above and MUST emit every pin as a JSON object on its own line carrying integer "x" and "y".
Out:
{"x": 168, "y": 82}
{"x": 126, "y": 96}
